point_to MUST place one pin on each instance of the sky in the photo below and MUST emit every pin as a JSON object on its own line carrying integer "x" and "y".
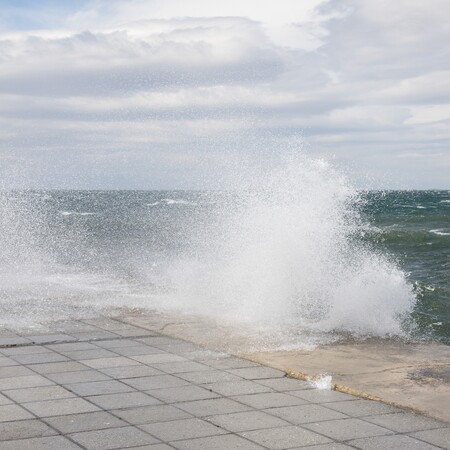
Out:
{"x": 174, "y": 94}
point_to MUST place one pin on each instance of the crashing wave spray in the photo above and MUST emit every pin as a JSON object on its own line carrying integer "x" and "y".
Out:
{"x": 289, "y": 254}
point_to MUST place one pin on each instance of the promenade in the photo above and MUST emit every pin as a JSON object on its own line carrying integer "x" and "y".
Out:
{"x": 106, "y": 384}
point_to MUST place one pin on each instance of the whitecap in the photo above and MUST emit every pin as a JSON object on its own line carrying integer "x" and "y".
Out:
{"x": 441, "y": 232}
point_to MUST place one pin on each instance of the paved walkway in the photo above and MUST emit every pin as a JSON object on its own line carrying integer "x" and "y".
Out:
{"x": 102, "y": 384}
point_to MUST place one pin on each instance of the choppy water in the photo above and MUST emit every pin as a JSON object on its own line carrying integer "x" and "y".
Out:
{"x": 307, "y": 258}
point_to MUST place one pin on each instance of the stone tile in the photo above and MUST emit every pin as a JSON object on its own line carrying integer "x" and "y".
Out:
{"x": 41, "y": 443}
{"x": 154, "y": 447}
{"x": 99, "y": 388}
{"x": 230, "y": 363}
{"x": 182, "y": 429}
{"x": 131, "y": 332}
{"x": 102, "y": 363}
{"x": 440, "y": 437}
{"x": 332, "y": 446}
{"x": 80, "y": 376}
{"x": 48, "y": 338}
{"x": 155, "y": 382}
{"x": 37, "y": 394}
{"x": 9, "y": 413}
{"x": 158, "y": 358}
{"x": 181, "y": 367}
{"x": 204, "y": 356}
{"x": 269, "y": 400}
{"x": 405, "y": 422}
{"x": 93, "y": 335}
{"x": 130, "y": 371}
{"x": 74, "y": 423}
{"x": 208, "y": 377}
{"x": 257, "y": 373}
{"x": 117, "y": 343}
{"x": 82, "y": 355}
{"x": 347, "y": 429}
{"x": 5, "y": 362}
{"x": 4, "y": 400}
{"x": 72, "y": 347}
{"x": 361, "y": 408}
{"x": 61, "y": 407}
{"x": 13, "y": 340}
{"x": 24, "y": 382}
{"x": 15, "y": 371}
{"x": 322, "y": 396}
{"x": 182, "y": 394}
{"x": 150, "y": 414}
{"x": 305, "y": 413}
{"x": 58, "y": 367}
{"x": 159, "y": 341}
{"x": 285, "y": 437}
{"x": 23, "y": 429}
{"x": 25, "y": 350}
{"x": 215, "y": 406}
{"x": 39, "y": 358}
{"x": 242, "y": 387}
{"x": 285, "y": 384}
{"x": 123, "y": 400}
{"x": 397, "y": 442}
{"x": 247, "y": 421}
{"x": 137, "y": 350}
{"x": 114, "y": 438}
{"x": 223, "y": 442}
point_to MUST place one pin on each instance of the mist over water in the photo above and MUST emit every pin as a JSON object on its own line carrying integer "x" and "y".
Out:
{"x": 282, "y": 250}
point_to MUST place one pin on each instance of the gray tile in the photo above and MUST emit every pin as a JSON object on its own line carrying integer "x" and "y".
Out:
{"x": 13, "y": 340}
{"x": 285, "y": 384}
{"x": 25, "y": 350}
{"x": 361, "y": 408}
{"x": 153, "y": 447}
{"x": 215, "y": 406}
{"x": 99, "y": 388}
{"x": 150, "y": 414}
{"x": 440, "y": 437}
{"x": 24, "y": 382}
{"x": 137, "y": 350}
{"x": 397, "y": 442}
{"x": 47, "y": 338}
{"x": 182, "y": 429}
{"x": 58, "y": 367}
{"x": 224, "y": 442}
{"x": 93, "y": 335}
{"x": 72, "y": 347}
{"x": 124, "y": 400}
{"x": 405, "y": 422}
{"x": 81, "y": 355}
{"x": 286, "y": 437}
{"x": 9, "y": 413}
{"x": 15, "y": 371}
{"x": 60, "y": 407}
{"x": 346, "y": 429}
{"x": 204, "y": 356}
{"x": 332, "y": 446}
{"x": 269, "y": 400}
{"x": 158, "y": 358}
{"x": 74, "y": 423}
{"x": 41, "y": 443}
{"x": 114, "y": 438}
{"x": 322, "y": 396}
{"x": 242, "y": 387}
{"x": 181, "y": 367}
{"x": 23, "y": 429}
{"x": 131, "y": 331}
{"x": 4, "y": 400}
{"x": 130, "y": 371}
{"x": 247, "y": 421}
{"x": 305, "y": 413}
{"x": 208, "y": 377}
{"x": 230, "y": 363}
{"x": 102, "y": 363}
{"x": 80, "y": 376}
{"x": 117, "y": 343}
{"x": 39, "y": 393}
{"x": 5, "y": 361}
{"x": 182, "y": 394}
{"x": 155, "y": 382}
{"x": 257, "y": 373}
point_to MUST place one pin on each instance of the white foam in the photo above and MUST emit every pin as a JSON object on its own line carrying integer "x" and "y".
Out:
{"x": 322, "y": 382}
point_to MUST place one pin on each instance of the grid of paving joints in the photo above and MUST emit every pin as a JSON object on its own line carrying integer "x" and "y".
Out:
{"x": 102, "y": 384}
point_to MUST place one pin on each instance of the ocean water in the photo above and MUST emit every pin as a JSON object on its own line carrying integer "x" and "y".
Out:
{"x": 303, "y": 254}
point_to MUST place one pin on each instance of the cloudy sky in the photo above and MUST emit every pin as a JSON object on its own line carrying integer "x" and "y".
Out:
{"x": 155, "y": 94}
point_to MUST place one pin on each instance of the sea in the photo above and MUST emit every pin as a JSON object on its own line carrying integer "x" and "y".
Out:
{"x": 312, "y": 258}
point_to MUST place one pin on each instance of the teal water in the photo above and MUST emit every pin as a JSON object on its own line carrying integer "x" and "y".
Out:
{"x": 64, "y": 251}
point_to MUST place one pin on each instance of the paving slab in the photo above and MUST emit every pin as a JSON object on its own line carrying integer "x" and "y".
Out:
{"x": 116, "y": 386}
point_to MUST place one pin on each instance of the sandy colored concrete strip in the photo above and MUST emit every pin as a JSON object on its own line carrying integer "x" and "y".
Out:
{"x": 183, "y": 396}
